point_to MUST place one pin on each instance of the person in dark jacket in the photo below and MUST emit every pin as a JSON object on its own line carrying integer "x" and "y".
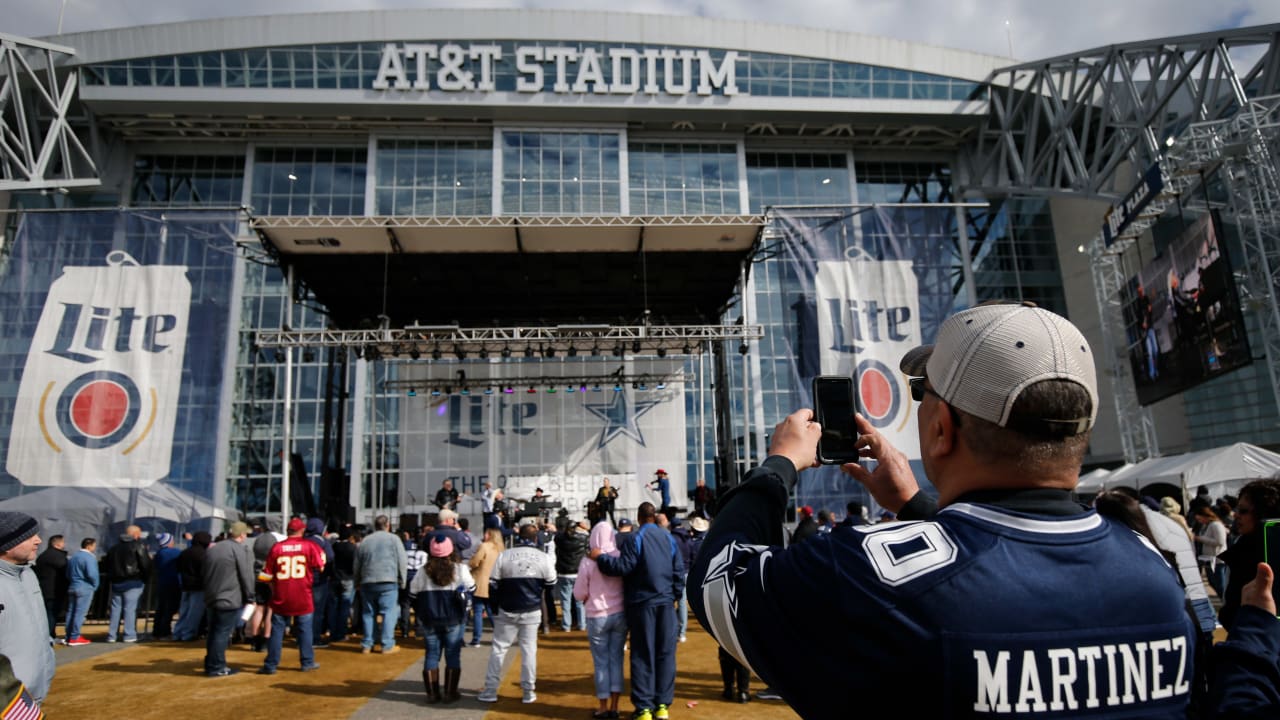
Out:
{"x": 320, "y": 587}
{"x": 51, "y": 571}
{"x": 571, "y": 547}
{"x": 652, "y": 573}
{"x": 168, "y": 587}
{"x": 853, "y": 515}
{"x": 129, "y": 566}
{"x": 516, "y": 585}
{"x": 1246, "y": 668}
{"x": 439, "y": 597}
{"x": 191, "y": 578}
{"x": 1259, "y": 501}
{"x": 684, "y": 543}
{"x": 343, "y": 591}
{"x": 806, "y": 528}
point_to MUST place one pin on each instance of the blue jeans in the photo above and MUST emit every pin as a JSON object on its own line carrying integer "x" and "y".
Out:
{"x": 221, "y": 623}
{"x": 340, "y": 597}
{"x": 608, "y": 637}
{"x": 380, "y": 599}
{"x": 78, "y": 602}
{"x": 447, "y": 638}
{"x": 189, "y": 614}
{"x": 319, "y": 600}
{"x": 479, "y": 608}
{"x": 124, "y": 599}
{"x": 569, "y": 605}
{"x": 280, "y": 626}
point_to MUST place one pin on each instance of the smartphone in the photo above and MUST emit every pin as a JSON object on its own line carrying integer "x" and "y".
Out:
{"x": 1271, "y": 553}
{"x": 833, "y": 409}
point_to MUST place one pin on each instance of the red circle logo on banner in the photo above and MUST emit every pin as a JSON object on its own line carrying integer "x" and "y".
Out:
{"x": 100, "y": 408}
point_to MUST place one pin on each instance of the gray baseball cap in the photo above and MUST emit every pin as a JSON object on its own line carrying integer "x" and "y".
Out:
{"x": 986, "y": 356}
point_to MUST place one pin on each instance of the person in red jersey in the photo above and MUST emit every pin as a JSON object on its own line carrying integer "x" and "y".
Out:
{"x": 292, "y": 564}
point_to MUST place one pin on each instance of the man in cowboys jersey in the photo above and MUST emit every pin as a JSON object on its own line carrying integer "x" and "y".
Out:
{"x": 1011, "y": 600}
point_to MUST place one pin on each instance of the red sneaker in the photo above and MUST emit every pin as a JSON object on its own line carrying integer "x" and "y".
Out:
{"x": 79, "y": 641}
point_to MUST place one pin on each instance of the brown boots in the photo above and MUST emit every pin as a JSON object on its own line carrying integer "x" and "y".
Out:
{"x": 431, "y": 681}
{"x": 451, "y": 678}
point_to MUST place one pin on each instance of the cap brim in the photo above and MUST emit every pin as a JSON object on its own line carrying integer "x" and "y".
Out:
{"x": 913, "y": 363}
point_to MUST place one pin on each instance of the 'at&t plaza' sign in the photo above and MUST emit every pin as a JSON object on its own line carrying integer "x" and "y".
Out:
{"x": 460, "y": 68}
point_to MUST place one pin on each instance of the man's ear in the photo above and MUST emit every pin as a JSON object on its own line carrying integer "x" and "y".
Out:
{"x": 943, "y": 430}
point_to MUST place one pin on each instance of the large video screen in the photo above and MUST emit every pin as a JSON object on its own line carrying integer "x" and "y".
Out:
{"x": 1183, "y": 316}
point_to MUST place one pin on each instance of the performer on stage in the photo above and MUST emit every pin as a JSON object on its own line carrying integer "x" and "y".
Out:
{"x": 663, "y": 485}
{"x": 605, "y": 499}
{"x": 447, "y": 497}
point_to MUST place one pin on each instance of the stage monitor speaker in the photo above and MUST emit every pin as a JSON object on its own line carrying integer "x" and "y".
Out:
{"x": 430, "y": 518}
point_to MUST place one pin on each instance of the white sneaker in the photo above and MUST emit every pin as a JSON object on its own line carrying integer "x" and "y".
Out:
{"x": 488, "y": 696}
{"x": 683, "y": 638}
{"x": 529, "y": 697}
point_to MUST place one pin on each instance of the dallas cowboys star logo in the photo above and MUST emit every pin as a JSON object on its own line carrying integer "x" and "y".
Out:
{"x": 618, "y": 420}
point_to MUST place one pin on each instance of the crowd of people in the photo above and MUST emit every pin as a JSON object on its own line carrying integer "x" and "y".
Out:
{"x": 1002, "y": 594}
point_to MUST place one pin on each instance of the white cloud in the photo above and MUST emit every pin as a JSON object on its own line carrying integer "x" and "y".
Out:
{"x": 1036, "y": 28}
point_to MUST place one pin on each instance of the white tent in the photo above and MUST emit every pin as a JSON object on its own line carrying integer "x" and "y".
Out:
{"x": 1220, "y": 470}
{"x": 80, "y": 512}
{"x": 1092, "y": 482}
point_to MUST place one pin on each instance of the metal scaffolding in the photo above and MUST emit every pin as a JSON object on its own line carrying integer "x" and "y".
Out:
{"x": 39, "y": 150}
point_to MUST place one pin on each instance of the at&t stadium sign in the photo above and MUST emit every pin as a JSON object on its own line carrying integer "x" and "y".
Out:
{"x": 420, "y": 67}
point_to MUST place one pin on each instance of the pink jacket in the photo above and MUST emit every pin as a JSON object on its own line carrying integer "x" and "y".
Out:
{"x": 601, "y": 594}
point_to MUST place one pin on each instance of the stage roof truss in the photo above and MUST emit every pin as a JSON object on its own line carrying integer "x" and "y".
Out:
{"x": 437, "y": 342}
{"x": 459, "y": 381}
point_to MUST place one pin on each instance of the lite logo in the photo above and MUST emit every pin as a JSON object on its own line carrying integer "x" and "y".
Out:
{"x": 98, "y": 399}
{"x": 868, "y": 318}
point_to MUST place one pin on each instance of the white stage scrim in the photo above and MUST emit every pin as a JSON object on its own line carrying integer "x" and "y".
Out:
{"x": 561, "y": 440}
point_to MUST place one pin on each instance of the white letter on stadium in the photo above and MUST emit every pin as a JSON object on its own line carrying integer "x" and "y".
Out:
{"x": 723, "y": 77}
{"x": 625, "y": 58}
{"x": 487, "y": 55}
{"x": 390, "y": 67}
{"x": 529, "y": 64}
{"x": 562, "y": 56}
{"x": 420, "y": 54}
{"x": 993, "y": 685}
{"x": 589, "y": 71}
{"x": 670, "y": 58}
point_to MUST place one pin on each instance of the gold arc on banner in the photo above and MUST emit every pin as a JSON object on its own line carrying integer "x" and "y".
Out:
{"x": 146, "y": 429}
{"x": 44, "y": 429}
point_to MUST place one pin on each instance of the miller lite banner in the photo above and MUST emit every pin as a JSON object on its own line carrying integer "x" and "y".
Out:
{"x": 116, "y": 325}
{"x": 864, "y": 285}
{"x": 99, "y": 392}
{"x": 868, "y": 318}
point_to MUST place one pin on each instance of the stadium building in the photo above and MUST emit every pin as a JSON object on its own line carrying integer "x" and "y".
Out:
{"x": 538, "y": 248}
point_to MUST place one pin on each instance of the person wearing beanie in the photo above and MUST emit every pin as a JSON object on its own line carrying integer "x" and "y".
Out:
{"x": 191, "y": 612}
{"x": 129, "y": 566}
{"x": 168, "y": 586}
{"x": 24, "y": 629}
{"x": 439, "y": 593}
{"x": 292, "y": 565}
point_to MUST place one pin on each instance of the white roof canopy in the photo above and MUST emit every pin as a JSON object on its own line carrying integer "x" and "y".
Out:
{"x": 1222, "y": 470}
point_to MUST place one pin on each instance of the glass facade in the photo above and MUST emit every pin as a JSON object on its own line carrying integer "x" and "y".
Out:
{"x": 797, "y": 178}
{"x": 187, "y": 180}
{"x": 434, "y": 177}
{"x": 561, "y": 173}
{"x": 309, "y": 181}
{"x": 682, "y": 178}
{"x": 355, "y": 65}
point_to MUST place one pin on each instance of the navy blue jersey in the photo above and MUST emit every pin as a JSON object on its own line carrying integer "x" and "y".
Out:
{"x": 442, "y": 606}
{"x": 519, "y": 577}
{"x": 980, "y": 612}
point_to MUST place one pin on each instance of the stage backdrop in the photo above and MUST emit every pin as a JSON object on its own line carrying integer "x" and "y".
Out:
{"x": 562, "y": 440}
{"x": 114, "y": 325}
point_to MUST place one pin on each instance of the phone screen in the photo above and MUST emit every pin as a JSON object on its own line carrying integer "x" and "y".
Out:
{"x": 1271, "y": 553}
{"x": 833, "y": 409}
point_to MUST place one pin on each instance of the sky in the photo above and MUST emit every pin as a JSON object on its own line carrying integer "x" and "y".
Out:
{"x": 1032, "y": 29}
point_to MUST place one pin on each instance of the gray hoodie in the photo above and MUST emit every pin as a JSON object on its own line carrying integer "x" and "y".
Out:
{"x": 24, "y": 628}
